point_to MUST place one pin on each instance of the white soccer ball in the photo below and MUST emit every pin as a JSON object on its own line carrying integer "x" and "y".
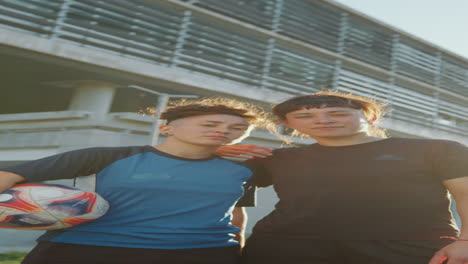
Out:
{"x": 48, "y": 206}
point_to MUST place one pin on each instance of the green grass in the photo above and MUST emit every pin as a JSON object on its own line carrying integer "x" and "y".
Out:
{"x": 12, "y": 257}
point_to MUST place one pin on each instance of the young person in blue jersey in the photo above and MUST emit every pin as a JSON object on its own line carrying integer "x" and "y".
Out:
{"x": 171, "y": 203}
{"x": 357, "y": 196}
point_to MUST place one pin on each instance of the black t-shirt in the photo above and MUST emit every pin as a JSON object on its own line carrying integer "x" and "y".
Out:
{"x": 384, "y": 190}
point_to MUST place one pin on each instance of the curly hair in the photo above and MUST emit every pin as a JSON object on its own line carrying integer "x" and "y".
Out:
{"x": 183, "y": 108}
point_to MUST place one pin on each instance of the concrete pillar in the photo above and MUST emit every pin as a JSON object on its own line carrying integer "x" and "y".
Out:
{"x": 93, "y": 97}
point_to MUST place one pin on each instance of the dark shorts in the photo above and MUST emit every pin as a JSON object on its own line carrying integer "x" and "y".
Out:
{"x": 293, "y": 251}
{"x": 64, "y": 253}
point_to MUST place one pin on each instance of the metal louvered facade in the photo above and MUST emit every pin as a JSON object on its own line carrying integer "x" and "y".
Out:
{"x": 287, "y": 46}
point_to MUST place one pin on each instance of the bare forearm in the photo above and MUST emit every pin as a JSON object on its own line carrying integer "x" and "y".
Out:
{"x": 456, "y": 252}
{"x": 8, "y": 179}
{"x": 239, "y": 220}
{"x": 240, "y": 237}
{"x": 244, "y": 151}
{"x": 462, "y": 209}
{"x": 458, "y": 187}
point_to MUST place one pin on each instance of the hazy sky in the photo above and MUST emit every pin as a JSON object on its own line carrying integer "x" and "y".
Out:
{"x": 440, "y": 22}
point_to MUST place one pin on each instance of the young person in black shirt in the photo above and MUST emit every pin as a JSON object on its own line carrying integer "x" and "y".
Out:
{"x": 357, "y": 196}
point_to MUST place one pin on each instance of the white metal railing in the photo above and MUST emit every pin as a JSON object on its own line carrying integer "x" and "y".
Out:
{"x": 39, "y": 116}
{"x": 74, "y": 120}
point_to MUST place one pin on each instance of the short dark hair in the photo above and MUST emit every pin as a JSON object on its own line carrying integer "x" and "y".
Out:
{"x": 373, "y": 109}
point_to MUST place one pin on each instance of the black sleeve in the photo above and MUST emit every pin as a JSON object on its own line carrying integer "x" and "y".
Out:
{"x": 249, "y": 199}
{"x": 66, "y": 165}
{"x": 450, "y": 160}
{"x": 262, "y": 176}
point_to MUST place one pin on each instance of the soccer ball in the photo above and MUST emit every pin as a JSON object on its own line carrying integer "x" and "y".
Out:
{"x": 48, "y": 207}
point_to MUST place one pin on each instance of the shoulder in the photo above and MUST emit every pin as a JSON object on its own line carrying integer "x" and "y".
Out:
{"x": 445, "y": 146}
{"x": 397, "y": 140}
{"x": 234, "y": 163}
{"x": 424, "y": 141}
{"x": 111, "y": 151}
{"x": 281, "y": 154}
{"x": 287, "y": 151}
{"x": 431, "y": 146}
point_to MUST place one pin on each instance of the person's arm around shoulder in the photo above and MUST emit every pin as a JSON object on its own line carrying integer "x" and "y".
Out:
{"x": 239, "y": 219}
{"x": 244, "y": 151}
{"x": 457, "y": 252}
{"x": 8, "y": 179}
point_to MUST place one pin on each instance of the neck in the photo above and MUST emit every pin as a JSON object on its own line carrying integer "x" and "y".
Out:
{"x": 185, "y": 150}
{"x": 347, "y": 140}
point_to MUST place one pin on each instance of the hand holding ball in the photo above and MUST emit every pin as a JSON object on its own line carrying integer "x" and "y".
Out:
{"x": 48, "y": 207}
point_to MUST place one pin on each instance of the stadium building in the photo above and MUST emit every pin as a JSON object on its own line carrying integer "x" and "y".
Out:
{"x": 76, "y": 73}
